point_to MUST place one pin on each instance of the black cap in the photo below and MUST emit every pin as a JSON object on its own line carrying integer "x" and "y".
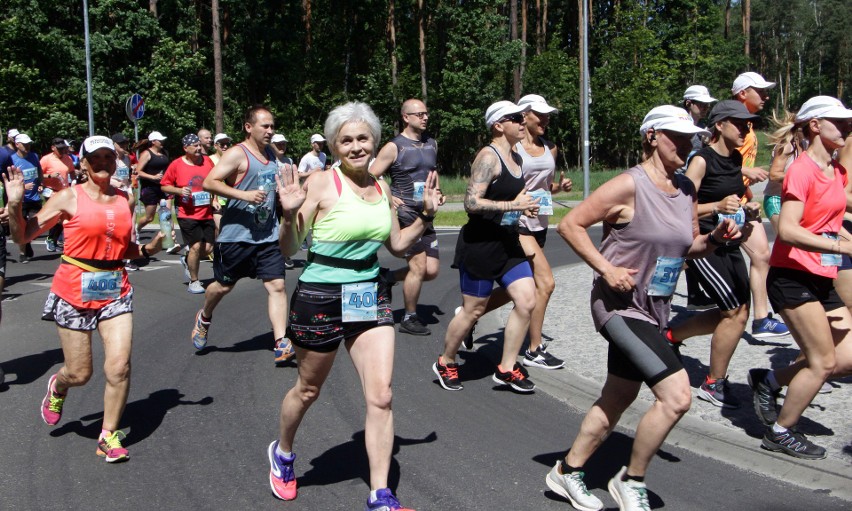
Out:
{"x": 119, "y": 138}
{"x": 59, "y": 143}
{"x": 730, "y": 109}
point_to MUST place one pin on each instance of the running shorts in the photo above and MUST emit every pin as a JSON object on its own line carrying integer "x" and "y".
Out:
{"x": 724, "y": 276}
{"x": 67, "y": 316}
{"x": 194, "y": 231}
{"x": 482, "y": 288}
{"x": 638, "y": 351}
{"x": 788, "y": 288}
{"x": 540, "y": 236}
{"x": 428, "y": 242}
{"x": 234, "y": 261}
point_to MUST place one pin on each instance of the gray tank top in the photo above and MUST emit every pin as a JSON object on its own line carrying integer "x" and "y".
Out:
{"x": 538, "y": 174}
{"x": 414, "y": 160}
{"x": 246, "y": 222}
{"x": 661, "y": 228}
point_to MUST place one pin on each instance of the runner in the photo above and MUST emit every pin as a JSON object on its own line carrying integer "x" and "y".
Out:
{"x": 341, "y": 297}
{"x": 28, "y": 163}
{"x": 57, "y": 167}
{"x": 488, "y": 249}
{"x": 153, "y": 162}
{"x": 409, "y": 158}
{"x": 805, "y": 257}
{"x": 788, "y": 143}
{"x": 90, "y": 289}
{"x": 247, "y": 245}
{"x": 184, "y": 179}
{"x": 222, "y": 142}
{"x": 716, "y": 173}
{"x": 650, "y": 220}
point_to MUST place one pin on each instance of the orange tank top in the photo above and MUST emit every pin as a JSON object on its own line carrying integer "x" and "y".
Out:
{"x": 97, "y": 232}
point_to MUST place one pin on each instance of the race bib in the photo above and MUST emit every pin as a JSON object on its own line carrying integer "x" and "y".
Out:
{"x": 666, "y": 273}
{"x": 830, "y": 259}
{"x": 201, "y": 198}
{"x": 30, "y": 174}
{"x": 510, "y": 218}
{"x": 419, "y": 186}
{"x": 46, "y": 193}
{"x": 739, "y": 217}
{"x": 100, "y": 285}
{"x": 545, "y": 202}
{"x": 360, "y": 302}
{"x": 122, "y": 173}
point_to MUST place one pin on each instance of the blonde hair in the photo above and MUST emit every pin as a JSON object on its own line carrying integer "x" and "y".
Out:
{"x": 786, "y": 131}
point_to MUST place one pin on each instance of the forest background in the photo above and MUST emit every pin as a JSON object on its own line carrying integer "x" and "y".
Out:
{"x": 303, "y": 57}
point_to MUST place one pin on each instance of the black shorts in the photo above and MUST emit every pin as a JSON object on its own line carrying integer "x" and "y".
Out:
{"x": 846, "y": 261}
{"x": 638, "y": 351}
{"x": 428, "y": 242}
{"x": 724, "y": 276}
{"x": 315, "y": 321}
{"x": 233, "y": 261}
{"x": 540, "y": 236}
{"x": 151, "y": 195}
{"x": 194, "y": 231}
{"x": 788, "y": 288}
{"x": 29, "y": 209}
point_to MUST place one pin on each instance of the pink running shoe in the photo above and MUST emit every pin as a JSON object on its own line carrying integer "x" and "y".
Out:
{"x": 51, "y": 405}
{"x": 281, "y": 476}
{"x": 110, "y": 448}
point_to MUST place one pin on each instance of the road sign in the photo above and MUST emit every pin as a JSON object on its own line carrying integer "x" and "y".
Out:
{"x": 135, "y": 107}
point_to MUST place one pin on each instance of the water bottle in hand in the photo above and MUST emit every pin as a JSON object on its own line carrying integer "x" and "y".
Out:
{"x": 165, "y": 215}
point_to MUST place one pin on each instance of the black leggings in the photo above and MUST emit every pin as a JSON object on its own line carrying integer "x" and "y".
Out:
{"x": 638, "y": 351}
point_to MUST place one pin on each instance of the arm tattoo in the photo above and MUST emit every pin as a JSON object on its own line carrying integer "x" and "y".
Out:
{"x": 481, "y": 174}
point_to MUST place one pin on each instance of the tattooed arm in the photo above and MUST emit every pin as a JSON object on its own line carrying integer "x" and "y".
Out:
{"x": 486, "y": 167}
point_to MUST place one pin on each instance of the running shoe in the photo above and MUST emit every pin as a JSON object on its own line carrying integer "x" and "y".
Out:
{"x": 630, "y": 495}
{"x": 282, "y": 479}
{"x": 29, "y": 250}
{"x": 173, "y": 250}
{"x": 288, "y": 263}
{"x": 793, "y": 443}
{"x": 283, "y": 351}
{"x": 516, "y": 378}
{"x": 110, "y": 448}
{"x": 448, "y": 375}
{"x": 50, "y": 245}
{"x": 199, "y": 332}
{"x": 130, "y": 265}
{"x": 23, "y": 259}
{"x": 385, "y": 501}
{"x": 825, "y": 389}
{"x": 195, "y": 287}
{"x": 186, "y": 277}
{"x": 718, "y": 394}
{"x": 542, "y": 359}
{"x": 768, "y": 327}
{"x": 414, "y": 326}
{"x": 699, "y": 303}
{"x": 51, "y": 405}
{"x": 467, "y": 342}
{"x": 572, "y": 487}
{"x": 765, "y": 399}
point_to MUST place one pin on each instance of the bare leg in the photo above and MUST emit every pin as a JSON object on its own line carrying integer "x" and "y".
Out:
{"x": 313, "y": 370}
{"x": 193, "y": 259}
{"x": 472, "y": 309}
{"x": 117, "y": 336}
{"x": 544, "y": 286}
{"x": 277, "y": 306}
{"x": 413, "y": 281}
{"x": 212, "y": 296}
{"x": 757, "y": 246}
{"x": 522, "y": 292}
{"x": 77, "y": 351}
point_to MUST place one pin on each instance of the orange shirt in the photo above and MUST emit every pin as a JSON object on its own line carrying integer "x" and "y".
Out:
{"x": 56, "y": 170}
{"x": 749, "y": 152}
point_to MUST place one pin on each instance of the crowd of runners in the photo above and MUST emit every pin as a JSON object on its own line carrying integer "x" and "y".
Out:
{"x": 249, "y": 208}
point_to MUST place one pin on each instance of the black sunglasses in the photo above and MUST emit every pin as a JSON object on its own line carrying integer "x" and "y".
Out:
{"x": 518, "y": 118}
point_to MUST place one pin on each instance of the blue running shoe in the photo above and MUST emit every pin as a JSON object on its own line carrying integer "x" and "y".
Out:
{"x": 385, "y": 501}
{"x": 768, "y": 327}
{"x": 282, "y": 479}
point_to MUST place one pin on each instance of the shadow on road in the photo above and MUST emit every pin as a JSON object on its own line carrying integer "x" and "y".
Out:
{"x": 260, "y": 342}
{"x": 30, "y": 368}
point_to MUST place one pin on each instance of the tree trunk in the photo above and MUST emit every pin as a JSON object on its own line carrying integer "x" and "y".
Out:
{"x": 581, "y": 28}
{"x": 152, "y": 7}
{"x": 544, "y": 24}
{"x": 524, "y": 41}
{"x": 391, "y": 32}
{"x": 727, "y": 17}
{"x": 513, "y": 21}
{"x": 746, "y": 6}
{"x": 538, "y": 41}
{"x": 421, "y": 23}
{"x": 217, "y": 68}
{"x": 306, "y": 17}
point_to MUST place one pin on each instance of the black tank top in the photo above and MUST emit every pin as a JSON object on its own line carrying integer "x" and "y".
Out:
{"x": 723, "y": 176}
{"x": 414, "y": 160}
{"x": 158, "y": 163}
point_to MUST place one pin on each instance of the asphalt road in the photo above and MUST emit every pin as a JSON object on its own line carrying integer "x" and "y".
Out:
{"x": 198, "y": 423}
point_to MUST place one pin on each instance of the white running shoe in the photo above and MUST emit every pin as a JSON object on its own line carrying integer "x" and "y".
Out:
{"x": 630, "y": 495}
{"x": 572, "y": 487}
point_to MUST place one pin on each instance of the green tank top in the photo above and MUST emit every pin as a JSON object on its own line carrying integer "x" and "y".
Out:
{"x": 353, "y": 229}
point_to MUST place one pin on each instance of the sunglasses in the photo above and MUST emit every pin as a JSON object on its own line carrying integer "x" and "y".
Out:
{"x": 518, "y": 118}
{"x": 419, "y": 115}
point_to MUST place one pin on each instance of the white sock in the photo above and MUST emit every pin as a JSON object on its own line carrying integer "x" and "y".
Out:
{"x": 281, "y": 453}
{"x": 372, "y": 495}
{"x": 778, "y": 429}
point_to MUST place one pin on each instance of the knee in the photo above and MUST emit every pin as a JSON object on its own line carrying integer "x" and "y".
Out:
{"x": 195, "y": 248}
{"x": 380, "y": 399}
{"x": 307, "y": 394}
{"x": 117, "y": 371}
{"x": 679, "y": 403}
{"x": 525, "y": 305}
{"x": 430, "y": 275}
{"x": 545, "y": 286}
{"x": 76, "y": 378}
{"x": 824, "y": 366}
{"x": 276, "y": 286}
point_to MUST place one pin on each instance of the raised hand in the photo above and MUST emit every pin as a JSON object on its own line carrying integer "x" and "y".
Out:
{"x": 290, "y": 194}
{"x": 565, "y": 185}
{"x": 431, "y": 194}
{"x": 14, "y": 182}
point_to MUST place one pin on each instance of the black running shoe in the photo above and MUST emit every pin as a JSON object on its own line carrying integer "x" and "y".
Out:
{"x": 793, "y": 443}
{"x": 718, "y": 394}
{"x": 765, "y": 399}
{"x": 514, "y": 378}
{"x": 700, "y": 302}
{"x": 414, "y": 326}
{"x": 448, "y": 375}
{"x": 542, "y": 359}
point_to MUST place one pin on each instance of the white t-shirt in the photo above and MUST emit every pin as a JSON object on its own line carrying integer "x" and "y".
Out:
{"x": 310, "y": 162}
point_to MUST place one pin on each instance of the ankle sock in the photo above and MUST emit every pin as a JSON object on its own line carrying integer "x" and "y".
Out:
{"x": 282, "y": 453}
{"x": 104, "y": 433}
{"x": 709, "y": 380}
{"x": 568, "y": 469}
{"x": 638, "y": 479}
{"x": 408, "y": 315}
{"x": 205, "y": 319}
{"x": 778, "y": 429}
{"x": 670, "y": 337}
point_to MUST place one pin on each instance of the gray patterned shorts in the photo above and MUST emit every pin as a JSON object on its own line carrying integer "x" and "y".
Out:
{"x": 72, "y": 318}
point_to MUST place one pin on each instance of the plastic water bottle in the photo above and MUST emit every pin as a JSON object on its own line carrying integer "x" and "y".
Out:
{"x": 165, "y": 214}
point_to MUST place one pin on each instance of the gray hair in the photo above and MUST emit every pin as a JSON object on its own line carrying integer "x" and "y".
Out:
{"x": 353, "y": 111}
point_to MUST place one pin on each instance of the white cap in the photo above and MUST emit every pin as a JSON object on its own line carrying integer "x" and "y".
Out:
{"x": 670, "y": 118}
{"x": 220, "y": 136}
{"x": 316, "y": 137}
{"x": 276, "y": 138}
{"x": 536, "y": 103}
{"x": 23, "y": 138}
{"x": 13, "y": 133}
{"x": 156, "y": 135}
{"x": 94, "y": 143}
{"x": 501, "y": 109}
{"x": 698, "y": 93}
{"x": 750, "y": 79}
{"x": 823, "y": 107}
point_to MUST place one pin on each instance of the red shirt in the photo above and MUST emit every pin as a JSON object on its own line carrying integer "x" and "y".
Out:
{"x": 180, "y": 174}
{"x": 56, "y": 170}
{"x": 825, "y": 203}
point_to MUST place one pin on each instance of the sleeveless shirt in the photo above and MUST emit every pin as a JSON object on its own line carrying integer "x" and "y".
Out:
{"x": 723, "y": 176}
{"x": 661, "y": 227}
{"x": 158, "y": 163}
{"x": 97, "y": 231}
{"x": 414, "y": 160}
{"x": 249, "y": 223}
{"x": 539, "y": 172}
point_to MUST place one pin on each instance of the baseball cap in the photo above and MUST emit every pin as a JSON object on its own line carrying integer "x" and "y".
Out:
{"x": 190, "y": 139}
{"x": 119, "y": 138}
{"x": 94, "y": 143}
{"x": 276, "y": 138}
{"x": 501, "y": 109}
{"x": 23, "y": 138}
{"x": 730, "y": 109}
{"x": 12, "y": 133}
{"x": 59, "y": 143}
{"x": 316, "y": 137}
{"x": 750, "y": 79}
{"x": 823, "y": 107}
{"x": 698, "y": 93}
{"x": 156, "y": 135}
{"x": 221, "y": 136}
{"x": 670, "y": 118}
{"x": 536, "y": 103}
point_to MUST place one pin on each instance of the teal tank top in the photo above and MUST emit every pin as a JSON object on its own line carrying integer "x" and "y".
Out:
{"x": 249, "y": 223}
